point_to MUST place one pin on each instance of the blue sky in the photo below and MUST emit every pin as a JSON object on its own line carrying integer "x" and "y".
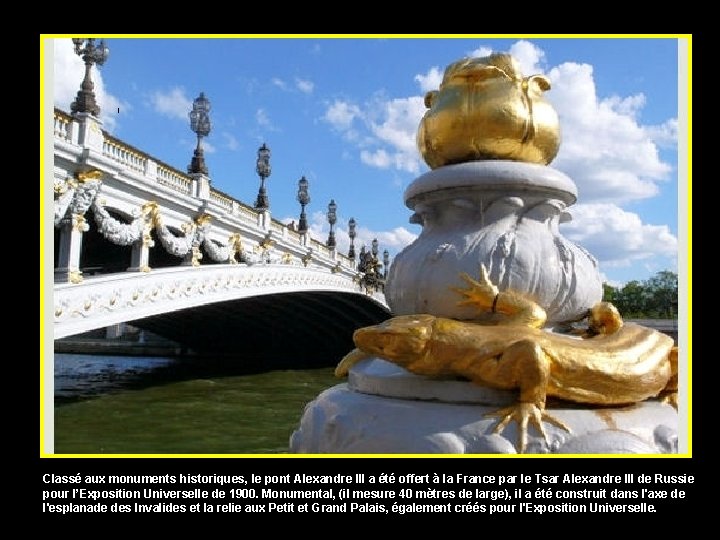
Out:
{"x": 343, "y": 113}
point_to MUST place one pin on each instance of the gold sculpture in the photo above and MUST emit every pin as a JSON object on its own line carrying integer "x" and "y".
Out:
{"x": 92, "y": 174}
{"x": 486, "y": 109}
{"x": 615, "y": 363}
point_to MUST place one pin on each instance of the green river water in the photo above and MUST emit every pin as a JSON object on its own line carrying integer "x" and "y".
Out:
{"x": 132, "y": 405}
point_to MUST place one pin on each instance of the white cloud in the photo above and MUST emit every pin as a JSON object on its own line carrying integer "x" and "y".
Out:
{"x": 612, "y": 157}
{"x": 396, "y": 129}
{"x": 172, "y": 103}
{"x": 263, "y": 120}
{"x": 230, "y": 142}
{"x": 379, "y": 158}
{"x": 480, "y": 52}
{"x": 617, "y": 237}
{"x": 279, "y": 83}
{"x": 340, "y": 114}
{"x": 390, "y": 127}
{"x": 629, "y": 106}
{"x": 430, "y": 80}
{"x": 605, "y": 150}
{"x": 304, "y": 85}
{"x": 68, "y": 73}
{"x": 664, "y": 135}
{"x": 529, "y": 56}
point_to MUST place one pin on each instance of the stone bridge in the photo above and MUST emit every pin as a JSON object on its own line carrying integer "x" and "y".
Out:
{"x": 139, "y": 241}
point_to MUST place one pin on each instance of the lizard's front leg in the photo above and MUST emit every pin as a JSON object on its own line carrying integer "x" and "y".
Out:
{"x": 523, "y": 365}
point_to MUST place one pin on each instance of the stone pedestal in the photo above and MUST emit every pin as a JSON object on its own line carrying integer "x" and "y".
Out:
{"x": 505, "y": 215}
{"x": 383, "y": 409}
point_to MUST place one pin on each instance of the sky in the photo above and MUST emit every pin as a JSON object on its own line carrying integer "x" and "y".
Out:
{"x": 344, "y": 114}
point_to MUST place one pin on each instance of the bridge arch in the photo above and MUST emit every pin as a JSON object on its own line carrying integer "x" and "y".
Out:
{"x": 267, "y": 309}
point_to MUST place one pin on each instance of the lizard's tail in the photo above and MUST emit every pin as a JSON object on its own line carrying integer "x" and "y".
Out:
{"x": 349, "y": 360}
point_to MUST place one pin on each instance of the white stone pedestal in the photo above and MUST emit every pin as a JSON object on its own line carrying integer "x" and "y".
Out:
{"x": 505, "y": 215}
{"x": 383, "y": 409}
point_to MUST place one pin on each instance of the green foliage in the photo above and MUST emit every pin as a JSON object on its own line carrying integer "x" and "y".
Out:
{"x": 655, "y": 298}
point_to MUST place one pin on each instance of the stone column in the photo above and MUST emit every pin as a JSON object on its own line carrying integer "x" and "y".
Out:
{"x": 203, "y": 186}
{"x": 89, "y": 131}
{"x": 264, "y": 219}
{"x": 71, "y": 235}
{"x": 140, "y": 256}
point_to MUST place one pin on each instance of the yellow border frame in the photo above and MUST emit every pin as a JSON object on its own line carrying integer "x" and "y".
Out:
{"x": 43, "y": 224}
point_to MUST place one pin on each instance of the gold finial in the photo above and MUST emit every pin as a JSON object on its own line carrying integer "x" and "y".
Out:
{"x": 486, "y": 109}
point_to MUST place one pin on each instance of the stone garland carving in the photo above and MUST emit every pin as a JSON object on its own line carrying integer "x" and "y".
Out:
{"x": 216, "y": 252}
{"x": 85, "y": 194}
{"x": 114, "y": 230}
{"x": 62, "y": 203}
{"x": 74, "y": 196}
{"x": 175, "y": 245}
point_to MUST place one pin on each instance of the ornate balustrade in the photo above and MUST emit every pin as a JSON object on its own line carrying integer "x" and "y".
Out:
{"x": 160, "y": 197}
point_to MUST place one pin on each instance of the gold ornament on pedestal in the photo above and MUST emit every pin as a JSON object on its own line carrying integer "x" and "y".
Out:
{"x": 486, "y": 109}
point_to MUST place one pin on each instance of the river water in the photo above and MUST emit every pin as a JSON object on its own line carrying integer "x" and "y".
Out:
{"x": 155, "y": 405}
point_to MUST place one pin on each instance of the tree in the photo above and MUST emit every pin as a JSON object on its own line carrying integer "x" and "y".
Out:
{"x": 655, "y": 298}
{"x": 663, "y": 290}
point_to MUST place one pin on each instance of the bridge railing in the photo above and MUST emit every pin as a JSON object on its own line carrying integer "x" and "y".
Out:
{"x": 62, "y": 123}
{"x": 142, "y": 167}
{"x": 174, "y": 179}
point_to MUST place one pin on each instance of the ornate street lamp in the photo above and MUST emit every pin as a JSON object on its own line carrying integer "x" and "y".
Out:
{"x": 200, "y": 124}
{"x": 352, "y": 234}
{"x": 374, "y": 248}
{"x": 386, "y": 263}
{"x": 362, "y": 260}
{"x": 332, "y": 219}
{"x": 91, "y": 54}
{"x": 263, "y": 169}
{"x": 303, "y": 198}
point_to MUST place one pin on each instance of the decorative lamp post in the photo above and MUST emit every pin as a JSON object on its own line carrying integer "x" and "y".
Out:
{"x": 374, "y": 249}
{"x": 91, "y": 54}
{"x": 332, "y": 218}
{"x": 351, "y": 233}
{"x": 303, "y": 198}
{"x": 386, "y": 263}
{"x": 200, "y": 124}
{"x": 361, "y": 260}
{"x": 263, "y": 169}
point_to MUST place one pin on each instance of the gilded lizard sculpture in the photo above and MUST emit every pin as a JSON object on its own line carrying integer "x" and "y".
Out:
{"x": 610, "y": 363}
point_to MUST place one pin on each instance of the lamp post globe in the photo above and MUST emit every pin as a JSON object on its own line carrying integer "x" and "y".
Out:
{"x": 303, "y": 197}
